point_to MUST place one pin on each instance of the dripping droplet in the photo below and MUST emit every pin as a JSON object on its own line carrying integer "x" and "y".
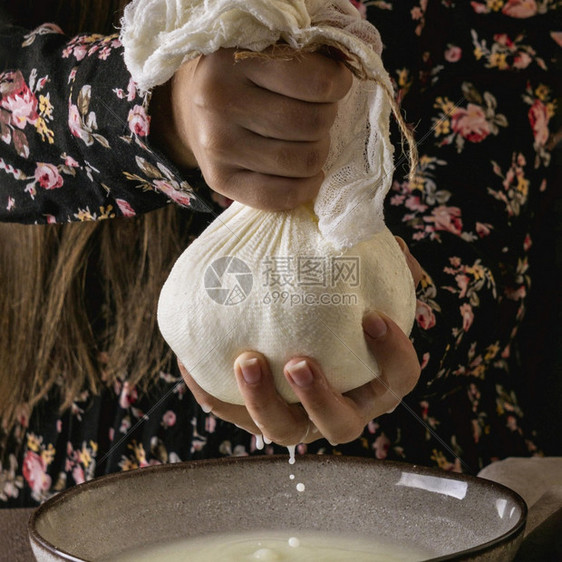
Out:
{"x": 294, "y": 542}
{"x": 292, "y": 453}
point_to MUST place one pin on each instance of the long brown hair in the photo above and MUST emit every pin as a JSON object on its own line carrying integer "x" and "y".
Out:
{"x": 78, "y": 302}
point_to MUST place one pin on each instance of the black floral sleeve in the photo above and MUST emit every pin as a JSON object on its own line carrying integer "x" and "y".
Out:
{"x": 74, "y": 130}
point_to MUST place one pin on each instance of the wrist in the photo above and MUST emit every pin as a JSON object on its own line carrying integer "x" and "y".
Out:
{"x": 164, "y": 133}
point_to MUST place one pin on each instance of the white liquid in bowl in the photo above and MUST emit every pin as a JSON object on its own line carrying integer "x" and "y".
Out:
{"x": 275, "y": 546}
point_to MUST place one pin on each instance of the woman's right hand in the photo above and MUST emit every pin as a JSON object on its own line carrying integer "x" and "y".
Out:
{"x": 258, "y": 128}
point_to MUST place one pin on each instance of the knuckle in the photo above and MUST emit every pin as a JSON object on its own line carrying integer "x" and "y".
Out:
{"x": 322, "y": 84}
{"x": 331, "y": 80}
{"x": 344, "y": 434}
{"x": 317, "y": 119}
{"x": 284, "y": 438}
{"x": 303, "y": 161}
{"x": 313, "y": 161}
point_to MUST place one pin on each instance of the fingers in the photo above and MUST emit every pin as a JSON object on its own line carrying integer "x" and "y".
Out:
{"x": 259, "y": 129}
{"x": 319, "y": 78}
{"x": 342, "y": 418}
{"x": 269, "y": 193}
{"x": 283, "y": 423}
{"x": 232, "y": 413}
{"x": 398, "y": 364}
{"x": 333, "y": 414}
{"x": 413, "y": 264}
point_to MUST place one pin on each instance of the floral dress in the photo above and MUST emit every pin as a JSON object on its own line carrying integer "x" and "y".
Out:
{"x": 478, "y": 82}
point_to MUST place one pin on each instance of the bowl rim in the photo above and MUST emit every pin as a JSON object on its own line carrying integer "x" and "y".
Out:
{"x": 106, "y": 479}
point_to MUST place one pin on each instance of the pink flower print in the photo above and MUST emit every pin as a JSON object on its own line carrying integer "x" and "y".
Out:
{"x": 131, "y": 90}
{"x": 453, "y": 53}
{"x": 503, "y": 39}
{"x": 479, "y": 8}
{"x": 79, "y": 52}
{"x": 471, "y": 123}
{"x": 538, "y": 117}
{"x": 520, "y": 8}
{"x": 76, "y": 126}
{"x": 483, "y": 229}
{"x": 128, "y": 396}
{"x": 424, "y": 316}
{"x": 21, "y": 103}
{"x": 70, "y": 162}
{"x": 467, "y": 316}
{"x": 169, "y": 419}
{"x": 210, "y": 424}
{"x": 446, "y": 218}
{"x": 34, "y": 472}
{"x": 516, "y": 294}
{"x": 125, "y": 424}
{"x": 175, "y": 195}
{"x": 557, "y": 36}
{"x": 78, "y": 474}
{"x": 372, "y": 427}
{"x": 522, "y": 60}
{"x": 139, "y": 121}
{"x": 125, "y": 208}
{"x": 104, "y": 53}
{"x": 397, "y": 200}
{"x": 48, "y": 176}
{"x": 381, "y": 446}
{"x": 413, "y": 202}
{"x": 511, "y": 423}
{"x": 462, "y": 283}
{"x": 362, "y": 9}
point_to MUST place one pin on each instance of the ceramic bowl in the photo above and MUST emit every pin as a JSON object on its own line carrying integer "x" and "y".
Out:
{"x": 449, "y": 516}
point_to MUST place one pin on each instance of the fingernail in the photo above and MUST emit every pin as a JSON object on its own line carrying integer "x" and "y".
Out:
{"x": 374, "y": 325}
{"x": 251, "y": 370}
{"x": 301, "y": 374}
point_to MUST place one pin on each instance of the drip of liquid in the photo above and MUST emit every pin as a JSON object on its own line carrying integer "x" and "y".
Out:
{"x": 292, "y": 449}
{"x": 259, "y": 442}
{"x": 294, "y": 542}
{"x": 300, "y": 487}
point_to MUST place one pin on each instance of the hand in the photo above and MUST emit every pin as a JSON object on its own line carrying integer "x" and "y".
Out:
{"x": 258, "y": 128}
{"x": 322, "y": 411}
